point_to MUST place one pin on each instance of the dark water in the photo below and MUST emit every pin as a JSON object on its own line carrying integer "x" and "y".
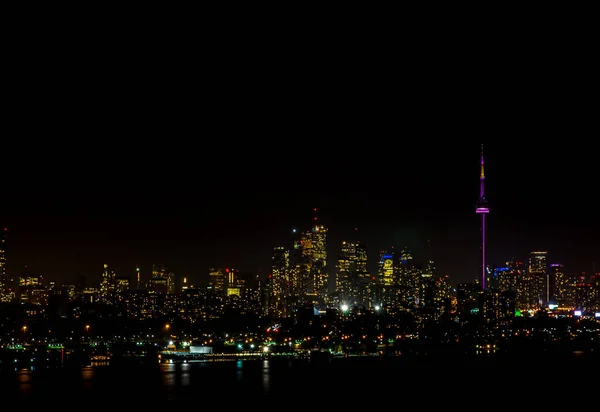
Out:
{"x": 292, "y": 383}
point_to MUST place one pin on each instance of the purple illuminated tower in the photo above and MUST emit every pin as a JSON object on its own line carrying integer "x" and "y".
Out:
{"x": 482, "y": 209}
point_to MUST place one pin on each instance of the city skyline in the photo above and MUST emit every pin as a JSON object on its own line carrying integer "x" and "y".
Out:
{"x": 425, "y": 201}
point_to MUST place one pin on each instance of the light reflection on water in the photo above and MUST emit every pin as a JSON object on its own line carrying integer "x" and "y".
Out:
{"x": 240, "y": 370}
{"x": 87, "y": 375}
{"x": 167, "y": 371}
{"x": 185, "y": 374}
{"x": 24, "y": 377}
{"x": 266, "y": 376}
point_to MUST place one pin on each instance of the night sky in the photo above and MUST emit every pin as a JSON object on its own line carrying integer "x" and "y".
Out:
{"x": 199, "y": 149}
{"x": 135, "y": 153}
{"x": 223, "y": 200}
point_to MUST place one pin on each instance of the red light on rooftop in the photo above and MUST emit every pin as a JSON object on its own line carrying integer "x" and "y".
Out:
{"x": 315, "y": 209}
{"x": 227, "y": 270}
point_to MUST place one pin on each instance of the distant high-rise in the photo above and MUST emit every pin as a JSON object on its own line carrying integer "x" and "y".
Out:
{"x": 280, "y": 281}
{"x": 538, "y": 277}
{"x": 314, "y": 261}
{"x": 385, "y": 268}
{"x": 108, "y": 286}
{"x": 162, "y": 280}
{"x": 482, "y": 209}
{"x": 556, "y": 283}
{"x": 7, "y": 287}
{"x": 353, "y": 280}
{"x": 217, "y": 281}
{"x": 138, "y": 277}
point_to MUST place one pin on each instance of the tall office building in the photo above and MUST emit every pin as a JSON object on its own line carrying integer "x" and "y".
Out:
{"x": 482, "y": 209}
{"x": 280, "y": 263}
{"x": 314, "y": 262}
{"x": 108, "y": 285}
{"x": 408, "y": 276}
{"x": 538, "y": 278}
{"x": 280, "y": 281}
{"x": 7, "y": 286}
{"x": 385, "y": 268}
{"x": 353, "y": 281}
{"x": 235, "y": 282}
{"x": 555, "y": 274}
{"x": 217, "y": 281}
{"x": 162, "y": 280}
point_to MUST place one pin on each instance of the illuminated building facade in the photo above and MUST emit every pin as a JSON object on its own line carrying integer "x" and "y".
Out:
{"x": 122, "y": 284}
{"x": 217, "y": 281}
{"x": 162, "y": 279}
{"x": 235, "y": 283}
{"x": 408, "y": 276}
{"x": 354, "y": 285}
{"x": 508, "y": 277}
{"x": 385, "y": 268}
{"x": 314, "y": 262}
{"x": 498, "y": 307}
{"x": 467, "y": 298}
{"x": 280, "y": 281}
{"x": 108, "y": 286}
{"x": 538, "y": 279}
{"x": 442, "y": 292}
{"x": 7, "y": 286}
{"x": 31, "y": 290}
{"x": 427, "y": 286}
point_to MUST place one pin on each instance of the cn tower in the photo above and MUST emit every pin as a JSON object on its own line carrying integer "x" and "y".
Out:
{"x": 482, "y": 209}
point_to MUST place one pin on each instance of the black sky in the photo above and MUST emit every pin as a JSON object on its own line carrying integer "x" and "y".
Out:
{"x": 152, "y": 152}
{"x": 69, "y": 213}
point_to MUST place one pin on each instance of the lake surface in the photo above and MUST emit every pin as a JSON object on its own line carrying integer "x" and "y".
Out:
{"x": 296, "y": 383}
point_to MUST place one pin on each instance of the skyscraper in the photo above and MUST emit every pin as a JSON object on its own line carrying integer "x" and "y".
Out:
{"x": 538, "y": 276}
{"x": 108, "y": 286}
{"x": 353, "y": 279}
{"x": 280, "y": 280}
{"x": 6, "y": 288}
{"x": 162, "y": 280}
{"x": 482, "y": 209}
{"x": 314, "y": 261}
{"x": 217, "y": 281}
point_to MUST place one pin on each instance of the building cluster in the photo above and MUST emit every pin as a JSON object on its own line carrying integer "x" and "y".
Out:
{"x": 300, "y": 279}
{"x": 524, "y": 288}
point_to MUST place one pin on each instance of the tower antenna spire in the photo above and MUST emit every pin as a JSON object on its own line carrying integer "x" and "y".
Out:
{"x": 482, "y": 209}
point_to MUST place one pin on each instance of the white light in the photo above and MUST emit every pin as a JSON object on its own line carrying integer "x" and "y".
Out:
{"x": 265, "y": 349}
{"x": 377, "y": 308}
{"x": 578, "y": 313}
{"x": 345, "y": 308}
